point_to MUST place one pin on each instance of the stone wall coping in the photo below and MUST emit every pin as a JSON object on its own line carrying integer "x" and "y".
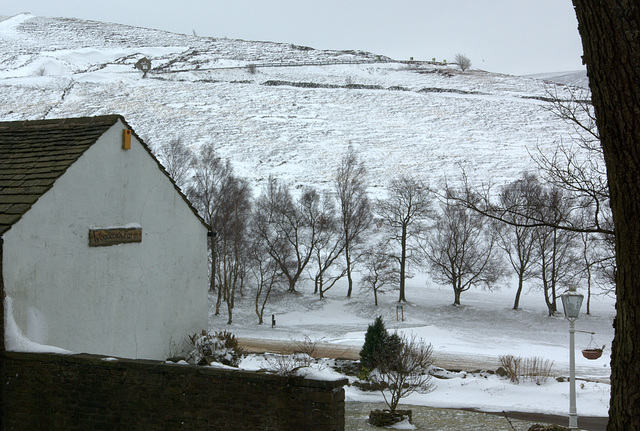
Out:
{"x": 109, "y": 362}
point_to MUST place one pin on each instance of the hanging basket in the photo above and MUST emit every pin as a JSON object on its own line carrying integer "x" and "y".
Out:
{"x": 592, "y": 353}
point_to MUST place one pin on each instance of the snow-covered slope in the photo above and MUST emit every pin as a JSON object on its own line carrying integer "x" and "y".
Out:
{"x": 577, "y": 78}
{"x": 293, "y": 122}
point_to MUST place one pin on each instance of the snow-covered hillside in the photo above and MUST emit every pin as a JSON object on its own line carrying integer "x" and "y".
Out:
{"x": 293, "y": 122}
{"x": 576, "y": 78}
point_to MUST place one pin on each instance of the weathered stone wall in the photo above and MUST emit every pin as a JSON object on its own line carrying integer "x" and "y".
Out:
{"x": 82, "y": 392}
{"x": 2, "y": 347}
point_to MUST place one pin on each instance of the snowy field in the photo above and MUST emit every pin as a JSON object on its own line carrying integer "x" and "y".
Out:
{"x": 480, "y": 330}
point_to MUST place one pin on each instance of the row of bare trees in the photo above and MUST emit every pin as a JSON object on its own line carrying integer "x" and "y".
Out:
{"x": 546, "y": 235}
{"x": 471, "y": 239}
{"x": 224, "y": 201}
{"x": 554, "y": 230}
{"x": 559, "y": 226}
{"x": 281, "y": 236}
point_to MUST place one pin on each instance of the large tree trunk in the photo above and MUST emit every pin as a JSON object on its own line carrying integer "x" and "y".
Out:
{"x": 403, "y": 263}
{"x": 516, "y": 302}
{"x": 456, "y": 296}
{"x": 610, "y": 31}
{"x": 457, "y": 291}
{"x": 259, "y": 312}
{"x": 292, "y": 283}
{"x": 347, "y": 257}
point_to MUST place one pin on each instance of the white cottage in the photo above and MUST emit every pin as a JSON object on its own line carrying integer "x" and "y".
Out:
{"x": 102, "y": 253}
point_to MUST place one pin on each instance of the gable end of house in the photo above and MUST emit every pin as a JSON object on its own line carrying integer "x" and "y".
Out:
{"x": 34, "y": 154}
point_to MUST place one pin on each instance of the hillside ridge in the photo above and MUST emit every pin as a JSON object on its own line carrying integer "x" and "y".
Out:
{"x": 416, "y": 118}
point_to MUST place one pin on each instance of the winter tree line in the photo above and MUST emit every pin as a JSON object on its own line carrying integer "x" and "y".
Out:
{"x": 553, "y": 228}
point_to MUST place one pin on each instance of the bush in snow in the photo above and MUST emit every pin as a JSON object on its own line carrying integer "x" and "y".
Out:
{"x": 219, "y": 347}
{"x": 512, "y": 367}
{"x": 296, "y": 365}
{"x": 405, "y": 371}
{"x": 378, "y": 343}
{"x": 308, "y": 346}
{"x": 535, "y": 369}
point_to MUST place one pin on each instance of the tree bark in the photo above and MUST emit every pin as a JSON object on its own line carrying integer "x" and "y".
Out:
{"x": 610, "y": 31}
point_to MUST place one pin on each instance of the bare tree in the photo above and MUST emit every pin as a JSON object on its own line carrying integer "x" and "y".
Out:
{"x": 579, "y": 169}
{"x": 328, "y": 248}
{"x": 552, "y": 223}
{"x": 177, "y": 159}
{"x": 265, "y": 272}
{"x": 574, "y": 106}
{"x": 274, "y": 211}
{"x": 522, "y": 199}
{"x": 210, "y": 174}
{"x": 461, "y": 249}
{"x": 480, "y": 200}
{"x": 556, "y": 216}
{"x": 556, "y": 248}
{"x": 463, "y": 61}
{"x": 404, "y": 371}
{"x": 404, "y": 212}
{"x": 380, "y": 269}
{"x": 556, "y": 224}
{"x": 224, "y": 201}
{"x": 231, "y": 241}
{"x": 355, "y": 209}
{"x": 576, "y": 168}
{"x": 596, "y": 261}
{"x": 589, "y": 262}
{"x": 290, "y": 229}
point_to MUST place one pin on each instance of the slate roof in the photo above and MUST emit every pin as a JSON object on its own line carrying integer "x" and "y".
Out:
{"x": 34, "y": 154}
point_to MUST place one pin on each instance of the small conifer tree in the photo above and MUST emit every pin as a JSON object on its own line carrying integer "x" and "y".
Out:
{"x": 374, "y": 342}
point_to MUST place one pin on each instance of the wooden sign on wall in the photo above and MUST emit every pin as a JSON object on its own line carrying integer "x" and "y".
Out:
{"x": 116, "y": 235}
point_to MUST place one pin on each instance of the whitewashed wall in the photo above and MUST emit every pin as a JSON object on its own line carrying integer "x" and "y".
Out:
{"x": 129, "y": 300}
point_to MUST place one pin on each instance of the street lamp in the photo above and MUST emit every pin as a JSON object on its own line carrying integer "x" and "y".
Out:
{"x": 571, "y": 303}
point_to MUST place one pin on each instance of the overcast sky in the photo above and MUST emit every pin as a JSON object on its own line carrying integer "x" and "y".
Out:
{"x": 507, "y": 36}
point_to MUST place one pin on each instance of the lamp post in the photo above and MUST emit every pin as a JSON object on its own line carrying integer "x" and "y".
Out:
{"x": 571, "y": 303}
